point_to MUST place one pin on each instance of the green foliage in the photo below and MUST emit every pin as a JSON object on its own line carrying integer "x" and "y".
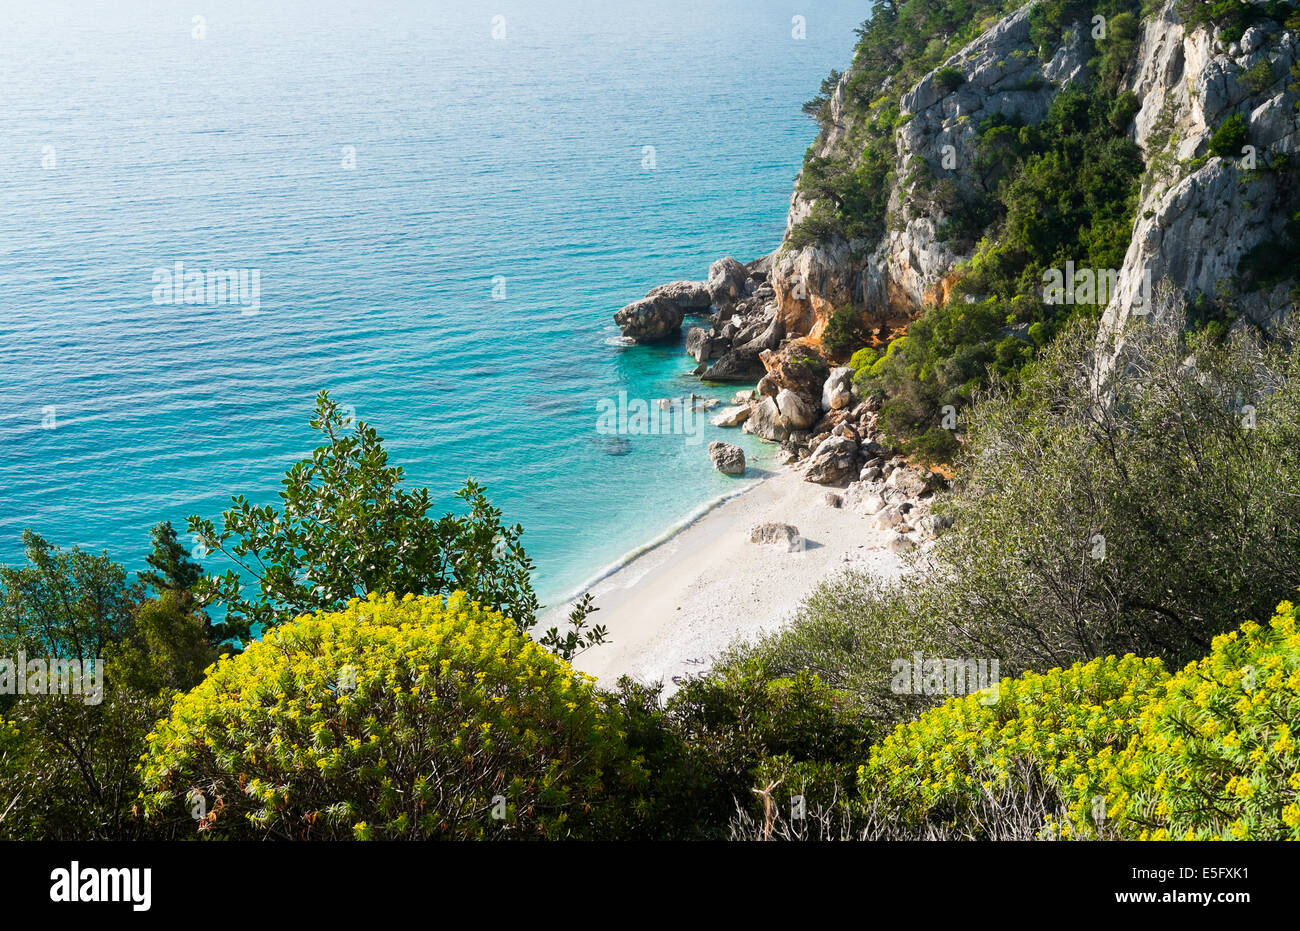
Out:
{"x": 949, "y": 79}
{"x": 1214, "y": 754}
{"x": 70, "y": 604}
{"x": 393, "y": 718}
{"x": 1143, "y": 516}
{"x": 745, "y": 730}
{"x": 347, "y": 527}
{"x": 1233, "y": 17}
{"x": 844, "y": 331}
{"x": 68, "y": 761}
{"x": 1259, "y": 78}
{"x": 848, "y": 632}
{"x": 863, "y": 358}
{"x": 68, "y": 769}
{"x": 1065, "y": 190}
{"x": 1031, "y": 734}
{"x": 1229, "y": 139}
{"x": 819, "y": 107}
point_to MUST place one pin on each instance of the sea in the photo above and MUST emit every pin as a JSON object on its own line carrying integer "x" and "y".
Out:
{"x": 429, "y": 209}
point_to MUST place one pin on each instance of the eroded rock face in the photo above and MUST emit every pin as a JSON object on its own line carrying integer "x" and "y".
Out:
{"x": 651, "y": 320}
{"x": 727, "y": 458}
{"x": 1194, "y": 221}
{"x": 691, "y": 296}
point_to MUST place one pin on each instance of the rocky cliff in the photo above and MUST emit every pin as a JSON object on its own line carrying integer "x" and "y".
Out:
{"x": 1198, "y": 215}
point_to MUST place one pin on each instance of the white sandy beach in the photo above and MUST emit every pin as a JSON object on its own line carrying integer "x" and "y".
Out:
{"x": 674, "y": 607}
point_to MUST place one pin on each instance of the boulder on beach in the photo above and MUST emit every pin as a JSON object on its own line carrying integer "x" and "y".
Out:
{"x": 765, "y": 422}
{"x": 797, "y": 413}
{"x": 650, "y": 320}
{"x": 837, "y": 392}
{"x": 728, "y": 458}
{"x": 773, "y": 532}
{"x": 835, "y": 460}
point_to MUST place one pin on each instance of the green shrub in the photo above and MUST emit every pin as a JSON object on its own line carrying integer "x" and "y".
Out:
{"x": 1040, "y": 732}
{"x": 1259, "y": 78}
{"x": 863, "y": 358}
{"x": 347, "y": 526}
{"x": 1214, "y": 755}
{"x": 745, "y": 729}
{"x": 1230, "y": 137}
{"x": 844, "y": 331}
{"x": 1145, "y": 518}
{"x": 393, "y": 719}
{"x": 949, "y": 79}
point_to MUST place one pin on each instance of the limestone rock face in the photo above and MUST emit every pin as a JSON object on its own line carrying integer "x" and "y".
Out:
{"x": 1198, "y": 215}
{"x": 651, "y": 320}
{"x": 727, "y": 458}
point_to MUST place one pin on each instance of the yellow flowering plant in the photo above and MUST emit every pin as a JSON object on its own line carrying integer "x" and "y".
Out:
{"x": 1037, "y": 738}
{"x": 392, "y": 719}
{"x": 1214, "y": 755}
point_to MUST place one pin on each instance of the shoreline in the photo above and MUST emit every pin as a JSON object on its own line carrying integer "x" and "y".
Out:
{"x": 686, "y": 596}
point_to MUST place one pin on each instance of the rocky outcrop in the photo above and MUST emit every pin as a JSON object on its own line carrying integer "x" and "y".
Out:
{"x": 1198, "y": 214}
{"x": 727, "y": 458}
{"x": 796, "y": 412}
{"x": 765, "y": 422}
{"x": 650, "y": 320}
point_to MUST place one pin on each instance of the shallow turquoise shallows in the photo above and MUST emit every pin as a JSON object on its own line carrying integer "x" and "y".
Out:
{"x": 455, "y": 286}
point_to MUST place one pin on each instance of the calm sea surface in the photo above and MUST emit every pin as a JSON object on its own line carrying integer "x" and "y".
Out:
{"x": 520, "y": 162}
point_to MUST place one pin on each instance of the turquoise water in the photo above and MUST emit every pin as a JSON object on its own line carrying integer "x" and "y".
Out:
{"x": 476, "y": 159}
